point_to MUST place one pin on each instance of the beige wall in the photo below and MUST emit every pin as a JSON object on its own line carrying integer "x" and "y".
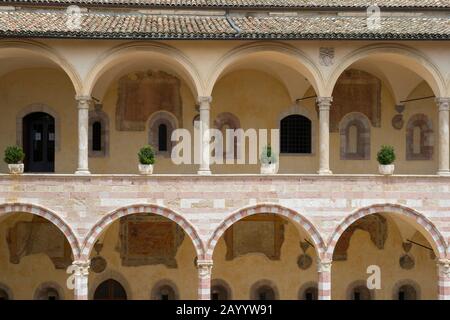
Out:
{"x": 258, "y": 99}
{"x": 240, "y": 273}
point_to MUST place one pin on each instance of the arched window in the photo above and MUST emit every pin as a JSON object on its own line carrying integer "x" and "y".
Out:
{"x": 5, "y": 293}
{"x": 48, "y": 291}
{"x": 360, "y": 292}
{"x": 263, "y": 290}
{"x": 97, "y": 136}
{"x": 220, "y": 290}
{"x": 419, "y": 138}
{"x": 354, "y": 131}
{"x": 164, "y": 290}
{"x": 110, "y": 290}
{"x": 224, "y": 121}
{"x": 406, "y": 290}
{"x": 160, "y": 127}
{"x": 311, "y": 293}
{"x": 295, "y": 134}
{"x": 162, "y": 137}
{"x": 98, "y": 132}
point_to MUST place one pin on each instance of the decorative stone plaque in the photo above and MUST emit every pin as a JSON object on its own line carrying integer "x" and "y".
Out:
{"x": 262, "y": 233}
{"x": 38, "y": 236}
{"x": 143, "y": 93}
{"x": 147, "y": 239}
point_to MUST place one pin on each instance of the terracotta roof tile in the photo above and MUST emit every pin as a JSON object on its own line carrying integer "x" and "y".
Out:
{"x": 249, "y": 3}
{"x": 55, "y": 23}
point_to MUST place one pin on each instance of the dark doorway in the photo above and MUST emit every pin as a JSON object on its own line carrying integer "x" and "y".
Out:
{"x": 39, "y": 142}
{"x": 110, "y": 290}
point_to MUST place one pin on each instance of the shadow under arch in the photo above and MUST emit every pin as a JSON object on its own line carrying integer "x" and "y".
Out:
{"x": 413, "y": 58}
{"x": 432, "y": 233}
{"x": 108, "y": 219}
{"x": 11, "y": 208}
{"x": 298, "y": 61}
{"x": 115, "y": 56}
{"x": 11, "y": 47}
{"x": 262, "y": 208}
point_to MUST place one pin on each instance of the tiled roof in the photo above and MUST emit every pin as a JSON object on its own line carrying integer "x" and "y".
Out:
{"x": 250, "y": 3}
{"x": 143, "y": 26}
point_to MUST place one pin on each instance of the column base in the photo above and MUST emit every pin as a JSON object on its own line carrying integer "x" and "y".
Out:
{"x": 82, "y": 172}
{"x": 204, "y": 172}
{"x": 443, "y": 173}
{"x": 324, "y": 172}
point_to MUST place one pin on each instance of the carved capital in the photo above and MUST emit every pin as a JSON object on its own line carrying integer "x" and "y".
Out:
{"x": 83, "y": 101}
{"x": 324, "y": 265}
{"x": 443, "y": 104}
{"x": 81, "y": 268}
{"x": 444, "y": 267}
{"x": 204, "y": 268}
{"x": 204, "y": 102}
{"x": 324, "y": 103}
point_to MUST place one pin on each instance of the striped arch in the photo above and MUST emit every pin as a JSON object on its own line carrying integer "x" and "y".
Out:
{"x": 292, "y": 215}
{"x": 107, "y": 220}
{"x": 10, "y": 208}
{"x": 433, "y": 232}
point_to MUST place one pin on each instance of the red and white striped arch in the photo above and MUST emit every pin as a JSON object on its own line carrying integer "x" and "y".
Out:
{"x": 107, "y": 220}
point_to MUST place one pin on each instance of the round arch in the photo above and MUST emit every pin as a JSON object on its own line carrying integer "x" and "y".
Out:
{"x": 117, "y": 55}
{"x": 410, "y": 57}
{"x": 439, "y": 244}
{"x": 12, "y": 47}
{"x": 292, "y": 215}
{"x": 297, "y": 59}
{"x": 113, "y": 216}
{"x": 10, "y": 208}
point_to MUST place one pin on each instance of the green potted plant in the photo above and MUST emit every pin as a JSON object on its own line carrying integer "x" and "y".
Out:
{"x": 14, "y": 156}
{"x": 269, "y": 161}
{"x": 146, "y": 160}
{"x": 386, "y": 158}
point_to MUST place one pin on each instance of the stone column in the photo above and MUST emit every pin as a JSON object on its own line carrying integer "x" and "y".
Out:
{"x": 204, "y": 279}
{"x": 444, "y": 279}
{"x": 324, "y": 270}
{"x": 83, "y": 129}
{"x": 443, "y": 107}
{"x": 324, "y": 104}
{"x": 205, "y": 137}
{"x": 81, "y": 273}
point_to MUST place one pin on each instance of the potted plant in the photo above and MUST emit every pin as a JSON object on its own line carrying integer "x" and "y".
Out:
{"x": 146, "y": 160}
{"x": 14, "y": 156}
{"x": 269, "y": 161}
{"x": 386, "y": 158}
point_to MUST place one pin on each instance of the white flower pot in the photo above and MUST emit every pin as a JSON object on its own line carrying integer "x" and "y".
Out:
{"x": 16, "y": 168}
{"x": 269, "y": 168}
{"x": 386, "y": 169}
{"x": 145, "y": 169}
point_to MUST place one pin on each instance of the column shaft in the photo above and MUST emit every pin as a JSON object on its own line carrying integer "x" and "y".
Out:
{"x": 324, "y": 104}
{"x": 324, "y": 270}
{"x": 205, "y": 137}
{"x": 443, "y": 107}
{"x": 83, "y": 129}
{"x": 444, "y": 279}
{"x": 204, "y": 279}
{"x": 81, "y": 273}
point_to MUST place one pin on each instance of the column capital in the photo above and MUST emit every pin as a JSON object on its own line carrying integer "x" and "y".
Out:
{"x": 204, "y": 101}
{"x": 83, "y": 101}
{"x": 443, "y": 103}
{"x": 444, "y": 267}
{"x": 81, "y": 267}
{"x": 204, "y": 268}
{"x": 324, "y": 103}
{"x": 324, "y": 265}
